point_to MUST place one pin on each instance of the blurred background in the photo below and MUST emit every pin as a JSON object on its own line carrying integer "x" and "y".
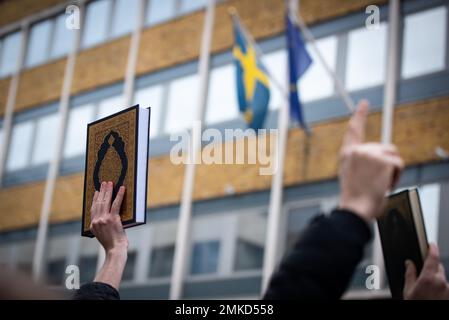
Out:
{"x": 227, "y": 236}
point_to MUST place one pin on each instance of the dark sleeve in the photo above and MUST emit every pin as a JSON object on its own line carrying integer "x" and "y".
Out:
{"x": 322, "y": 262}
{"x": 96, "y": 291}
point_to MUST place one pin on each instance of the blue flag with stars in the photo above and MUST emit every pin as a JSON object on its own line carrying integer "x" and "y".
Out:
{"x": 299, "y": 61}
{"x": 253, "y": 89}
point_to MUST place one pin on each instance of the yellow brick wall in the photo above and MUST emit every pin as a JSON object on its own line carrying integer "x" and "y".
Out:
{"x": 418, "y": 129}
{"x": 14, "y": 10}
{"x": 168, "y": 44}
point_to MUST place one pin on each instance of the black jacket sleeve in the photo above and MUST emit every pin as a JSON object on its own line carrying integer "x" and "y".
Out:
{"x": 322, "y": 262}
{"x": 96, "y": 291}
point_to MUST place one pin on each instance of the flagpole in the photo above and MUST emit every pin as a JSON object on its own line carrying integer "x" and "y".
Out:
{"x": 388, "y": 105}
{"x": 183, "y": 240}
{"x": 349, "y": 103}
{"x": 53, "y": 170}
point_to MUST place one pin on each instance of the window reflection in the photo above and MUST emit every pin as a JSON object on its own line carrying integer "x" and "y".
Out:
{"x": 45, "y": 139}
{"x": 75, "y": 139}
{"x": 10, "y": 50}
{"x": 20, "y": 145}
{"x": 38, "y": 43}
{"x": 366, "y": 61}
{"x": 96, "y": 22}
{"x": 424, "y": 43}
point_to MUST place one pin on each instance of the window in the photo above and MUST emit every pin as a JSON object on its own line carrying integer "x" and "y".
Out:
{"x": 128, "y": 272}
{"x": 424, "y": 47}
{"x": 222, "y": 99}
{"x": 366, "y": 60}
{"x": 75, "y": 139}
{"x": 316, "y": 82}
{"x": 430, "y": 201}
{"x": 63, "y": 38}
{"x": 160, "y": 11}
{"x": 110, "y": 106}
{"x": 161, "y": 261}
{"x": 249, "y": 255}
{"x": 20, "y": 145}
{"x": 205, "y": 257}
{"x": 56, "y": 271}
{"x": 276, "y": 63}
{"x": 9, "y": 54}
{"x": 182, "y": 104}
{"x": 152, "y": 97}
{"x": 192, "y": 5}
{"x": 45, "y": 139}
{"x": 96, "y": 25}
{"x": 39, "y": 42}
{"x": 125, "y": 16}
{"x": 298, "y": 220}
{"x": 88, "y": 268}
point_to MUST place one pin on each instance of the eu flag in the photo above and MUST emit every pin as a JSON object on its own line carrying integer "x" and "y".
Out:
{"x": 253, "y": 90}
{"x": 298, "y": 62}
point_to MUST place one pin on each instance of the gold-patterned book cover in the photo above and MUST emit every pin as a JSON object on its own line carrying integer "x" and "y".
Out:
{"x": 117, "y": 151}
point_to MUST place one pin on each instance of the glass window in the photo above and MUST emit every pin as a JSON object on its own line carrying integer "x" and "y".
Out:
{"x": 88, "y": 268}
{"x": 24, "y": 256}
{"x": 249, "y": 256}
{"x": 222, "y": 99}
{"x": 152, "y": 97}
{"x": 250, "y": 241}
{"x": 45, "y": 139}
{"x": 125, "y": 17}
{"x": 128, "y": 272}
{"x": 110, "y": 106}
{"x": 63, "y": 38}
{"x": 366, "y": 60}
{"x": 161, "y": 261}
{"x": 276, "y": 63}
{"x": 159, "y": 11}
{"x": 430, "y": 201}
{"x": 56, "y": 271}
{"x": 298, "y": 220}
{"x": 424, "y": 47}
{"x": 162, "y": 239}
{"x": 316, "y": 82}
{"x": 20, "y": 145}
{"x": 182, "y": 104}
{"x": 192, "y": 5}
{"x": 205, "y": 257}
{"x": 75, "y": 139}
{"x": 96, "y": 25}
{"x": 10, "y": 53}
{"x": 39, "y": 42}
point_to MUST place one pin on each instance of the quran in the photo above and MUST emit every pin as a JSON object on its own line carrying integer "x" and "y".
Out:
{"x": 403, "y": 236}
{"x": 117, "y": 150}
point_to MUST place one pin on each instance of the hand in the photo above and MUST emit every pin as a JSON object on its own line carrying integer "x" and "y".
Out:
{"x": 106, "y": 224}
{"x": 367, "y": 170}
{"x": 431, "y": 283}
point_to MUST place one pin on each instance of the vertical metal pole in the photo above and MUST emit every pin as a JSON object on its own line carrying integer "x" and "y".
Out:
{"x": 182, "y": 240}
{"x": 133, "y": 55}
{"x": 275, "y": 206}
{"x": 53, "y": 170}
{"x": 388, "y": 107}
{"x": 11, "y": 100}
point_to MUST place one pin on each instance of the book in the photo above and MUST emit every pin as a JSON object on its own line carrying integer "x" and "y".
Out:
{"x": 117, "y": 150}
{"x": 403, "y": 237}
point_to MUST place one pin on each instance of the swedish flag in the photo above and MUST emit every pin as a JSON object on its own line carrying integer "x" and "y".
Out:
{"x": 252, "y": 80}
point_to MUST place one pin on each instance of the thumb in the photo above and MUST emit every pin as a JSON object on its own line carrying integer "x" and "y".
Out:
{"x": 410, "y": 276}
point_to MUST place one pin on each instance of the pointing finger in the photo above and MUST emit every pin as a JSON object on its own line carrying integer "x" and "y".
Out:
{"x": 355, "y": 133}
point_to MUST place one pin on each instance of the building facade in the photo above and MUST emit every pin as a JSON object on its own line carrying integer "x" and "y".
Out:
{"x": 228, "y": 231}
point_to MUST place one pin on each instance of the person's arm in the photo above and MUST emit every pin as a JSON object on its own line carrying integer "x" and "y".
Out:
{"x": 323, "y": 260}
{"x": 107, "y": 227}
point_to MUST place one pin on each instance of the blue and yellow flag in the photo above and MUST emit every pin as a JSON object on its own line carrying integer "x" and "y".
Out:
{"x": 253, "y": 88}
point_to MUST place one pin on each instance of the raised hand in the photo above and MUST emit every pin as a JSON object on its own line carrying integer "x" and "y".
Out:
{"x": 367, "y": 170}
